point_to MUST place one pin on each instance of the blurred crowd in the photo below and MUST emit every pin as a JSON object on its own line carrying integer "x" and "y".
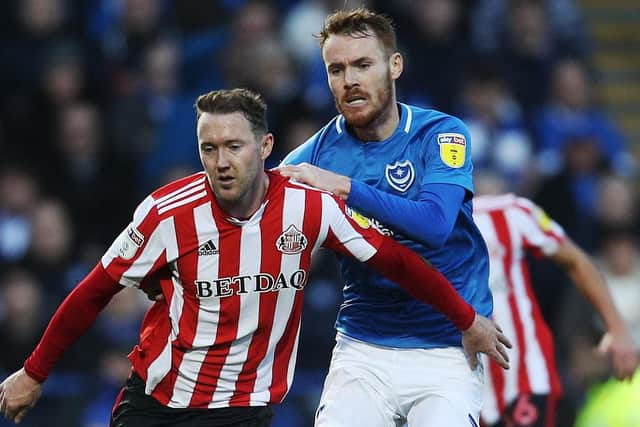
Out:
{"x": 96, "y": 110}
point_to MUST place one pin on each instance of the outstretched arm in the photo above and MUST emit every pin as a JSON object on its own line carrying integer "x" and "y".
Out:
{"x": 617, "y": 341}
{"x": 426, "y": 284}
{"x": 428, "y": 220}
{"x": 20, "y": 391}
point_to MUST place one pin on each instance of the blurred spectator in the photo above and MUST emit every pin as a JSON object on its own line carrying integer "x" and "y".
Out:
{"x": 85, "y": 173}
{"x": 255, "y": 40}
{"x": 571, "y": 115}
{"x": 64, "y": 78}
{"x": 113, "y": 372}
{"x": 63, "y": 81}
{"x": 18, "y": 196}
{"x": 117, "y": 326}
{"x": 565, "y": 24}
{"x": 37, "y": 24}
{"x": 272, "y": 73}
{"x": 299, "y": 127}
{"x": 124, "y": 30}
{"x": 119, "y": 323}
{"x": 527, "y": 52}
{"x": 500, "y": 141}
{"x": 437, "y": 52}
{"x": 620, "y": 264}
{"x": 51, "y": 247}
{"x": 301, "y": 23}
{"x": 203, "y": 27}
{"x": 570, "y": 196}
{"x": 617, "y": 204}
{"x": 22, "y": 316}
{"x": 153, "y": 126}
{"x": 22, "y": 321}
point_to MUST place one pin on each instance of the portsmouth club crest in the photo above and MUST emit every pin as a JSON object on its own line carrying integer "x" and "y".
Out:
{"x": 292, "y": 241}
{"x": 400, "y": 175}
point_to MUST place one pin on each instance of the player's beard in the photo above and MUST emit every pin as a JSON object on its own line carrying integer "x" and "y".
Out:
{"x": 374, "y": 113}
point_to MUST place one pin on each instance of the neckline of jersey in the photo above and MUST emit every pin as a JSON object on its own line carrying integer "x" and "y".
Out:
{"x": 404, "y": 126}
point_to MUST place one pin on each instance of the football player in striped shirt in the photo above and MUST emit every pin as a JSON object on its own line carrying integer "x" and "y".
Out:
{"x": 526, "y": 395}
{"x": 237, "y": 241}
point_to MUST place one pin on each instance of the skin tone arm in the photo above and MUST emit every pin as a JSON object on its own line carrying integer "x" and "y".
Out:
{"x": 19, "y": 393}
{"x": 617, "y": 341}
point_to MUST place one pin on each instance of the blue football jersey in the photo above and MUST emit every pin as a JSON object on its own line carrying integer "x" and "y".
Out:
{"x": 427, "y": 147}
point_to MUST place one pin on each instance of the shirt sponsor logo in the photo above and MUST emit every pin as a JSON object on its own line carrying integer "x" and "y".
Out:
{"x": 239, "y": 285}
{"x": 452, "y": 149}
{"x": 400, "y": 175}
{"x": 292, "y": 241}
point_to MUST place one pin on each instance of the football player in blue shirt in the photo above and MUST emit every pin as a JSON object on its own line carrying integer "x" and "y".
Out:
{"x": 407, "y": 171}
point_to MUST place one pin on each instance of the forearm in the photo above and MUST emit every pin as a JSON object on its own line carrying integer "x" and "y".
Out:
{"x": 591, "y": 284}
{"x": 428, "y": 220}
{"x": 422, "y": 281}
{"x": 71, "y": 320}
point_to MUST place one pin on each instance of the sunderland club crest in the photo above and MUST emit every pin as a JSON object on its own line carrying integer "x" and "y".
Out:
{"x": 292, "y": 241}
{"x": 400, "y": 175}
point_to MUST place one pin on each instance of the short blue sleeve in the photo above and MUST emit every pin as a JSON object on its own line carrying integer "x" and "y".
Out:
{"x": 448, "y": 159}
{"x": 303, "y": 153}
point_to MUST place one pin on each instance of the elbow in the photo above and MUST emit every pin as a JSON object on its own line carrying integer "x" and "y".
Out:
{"x": 438, "y": 237}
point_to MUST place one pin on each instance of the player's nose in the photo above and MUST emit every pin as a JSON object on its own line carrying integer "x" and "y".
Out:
{"x": 350, "y": 78}
{"x": 222, "y": 162}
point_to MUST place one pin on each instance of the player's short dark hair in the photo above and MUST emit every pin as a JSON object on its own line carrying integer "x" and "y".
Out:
{"x": 226, "y": 101}
{"x": 360, "y": 22}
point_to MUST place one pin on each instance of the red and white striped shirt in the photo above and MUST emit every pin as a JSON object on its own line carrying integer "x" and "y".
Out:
{"x": 228, "y": 334}
{"x": 511, "y": 227}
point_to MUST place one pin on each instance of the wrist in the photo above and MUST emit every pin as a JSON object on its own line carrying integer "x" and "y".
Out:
{"x": 468, "y": 319}
{"x": 343, "y": 188}
{"x": 33, "y": 373}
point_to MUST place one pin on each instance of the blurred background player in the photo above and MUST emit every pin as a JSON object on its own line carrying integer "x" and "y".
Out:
{"x": 513, "y": 227}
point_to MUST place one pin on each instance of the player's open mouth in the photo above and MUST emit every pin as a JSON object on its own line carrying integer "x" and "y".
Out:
{"x": 356, "y": 101}
{"x": 225, "y": 179}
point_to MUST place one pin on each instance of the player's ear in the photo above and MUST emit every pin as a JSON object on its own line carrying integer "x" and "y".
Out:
{"x": 396, "y": 65}
{"x": 266, "y": 145}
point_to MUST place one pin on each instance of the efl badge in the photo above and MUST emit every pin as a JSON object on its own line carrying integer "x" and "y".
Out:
{"x": 400, "y": 175}
{"x": 128, "y": 242}
{"x": 292, "y": 241}
{"x": 544, "y": 221}
{"x": 452, "y": 149}
{"x": 360, "y": 219}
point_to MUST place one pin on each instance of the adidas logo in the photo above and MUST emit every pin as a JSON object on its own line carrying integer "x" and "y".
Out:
{"x": 208, "y": 248}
